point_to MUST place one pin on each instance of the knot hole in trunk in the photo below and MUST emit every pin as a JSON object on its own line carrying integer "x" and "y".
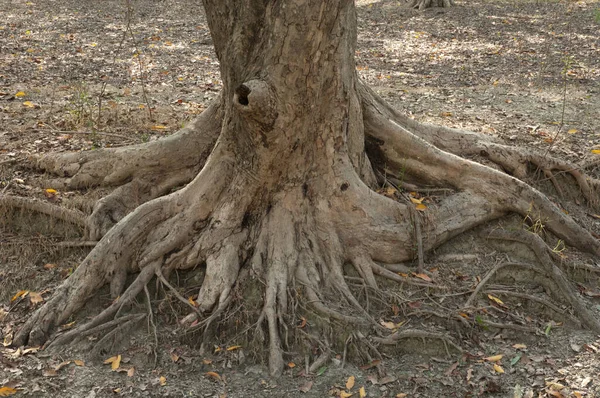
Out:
{"x": 256, "y": 101}
{"x": 242, "y": 93}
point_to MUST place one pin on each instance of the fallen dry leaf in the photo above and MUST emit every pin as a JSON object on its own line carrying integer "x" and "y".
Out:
{"x": 344, "y": 394}
{"x": 7, "y": 391}
{"x": 162, "y": 380}
{"x": 35, "y": 298}
{"x": 131, "y": 372}
{"x": 494, "y": 358}
{"x": 498, "y": 368}
{"x": 306, "y": 386}
{"x": 350, "y": 383}
{"x": 214, "y": 375}
{"x": 362, "y": 393}
{"x": 114, "y": 362}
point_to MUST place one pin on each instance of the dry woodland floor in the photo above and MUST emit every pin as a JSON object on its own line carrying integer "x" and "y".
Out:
{"x": 80, "y": 75}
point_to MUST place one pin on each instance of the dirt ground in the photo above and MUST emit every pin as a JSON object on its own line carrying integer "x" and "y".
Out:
{"x": 81, "y": 75}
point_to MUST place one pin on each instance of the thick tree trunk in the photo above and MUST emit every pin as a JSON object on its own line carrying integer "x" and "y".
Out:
{"x": 286, "y": 193}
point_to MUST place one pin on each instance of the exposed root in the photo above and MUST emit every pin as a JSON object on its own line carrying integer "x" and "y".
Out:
{"x": 513, "y": 160}
{"x": 423, "y": 4}
{"x": 416, "y": 334}
{"x": 140, "y": 172}
{"x": 128, "y": 296}
{"x": 490, "y": 193}
{"x": 541, "y": 251}
{"x": 69, "y": 215}
{"x": 536, "y": 299}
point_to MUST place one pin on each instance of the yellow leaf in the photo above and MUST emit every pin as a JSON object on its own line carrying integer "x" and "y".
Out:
{"x": 402, "y": 274}
{"x": 291, "y": 365}
{"x": 217, "y": 349}
{"x": 20, "y": 293}
{"x": 214, "y": 375}
{"x": 447, "y": 114}
{"x": 20, "y": 94}
{"x": 498, "y": 368}
{"x": 51, "y": 191}
{"x": 206, "y": 361}
{"x": 416, "y": 201}
{"x": 162, "y": 380}
{"x": 350, "y": 383}
{"x": 28, "y": 104}
{"x": 401, "y": 395}
{"x": 362, "y": 393}
{"x": 79, "y": 362}
{"x": 234, "y": 347}
{"x": 519, "y": 346}
{"x": 114, "y": 362}
{"x": 421, "y": 207}
{"x": 572, "y": 131}
{"x": 345, "y": 394}
{"x": 494, "y": 358}
{"x": 158, "y": 127}
{"x": 495, "y": 299}
{"x": 577, "y": 394}
{"x": 596, "y": 151}
{"x": 464, "y": 315}
{"x": 27, "y": 32}
{"x": 6, "y": 391}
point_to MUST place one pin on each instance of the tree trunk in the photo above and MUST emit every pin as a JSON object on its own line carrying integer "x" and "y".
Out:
{"x": 286, "y": 195}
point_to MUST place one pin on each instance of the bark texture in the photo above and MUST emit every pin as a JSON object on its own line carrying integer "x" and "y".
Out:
{"x": 297, "y": 144}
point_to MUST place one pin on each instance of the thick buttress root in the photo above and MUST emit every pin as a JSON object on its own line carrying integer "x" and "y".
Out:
{"x": 302, "y": 236}
{"x": 140, "y": 172}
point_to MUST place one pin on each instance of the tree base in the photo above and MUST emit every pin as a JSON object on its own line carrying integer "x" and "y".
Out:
{"x": 307, "y": 240}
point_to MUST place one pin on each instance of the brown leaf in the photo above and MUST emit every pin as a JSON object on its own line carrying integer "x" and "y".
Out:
{"x": 424, "y": 277}
{"x": 371, "y": 364}
{"x": 49, "y": 373}
{"x": 215, "y": 376}
{"x": 131, "y": 372}
{"x": 35, "y": 298}
{"x": 451, "y": 369}
{"x": 306, "y": 386}
{"x": 78, "y": 362}
{"x": 234, "y": 347}
{"x": 61, "y": 365}
{"x": 174, "y": 357}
